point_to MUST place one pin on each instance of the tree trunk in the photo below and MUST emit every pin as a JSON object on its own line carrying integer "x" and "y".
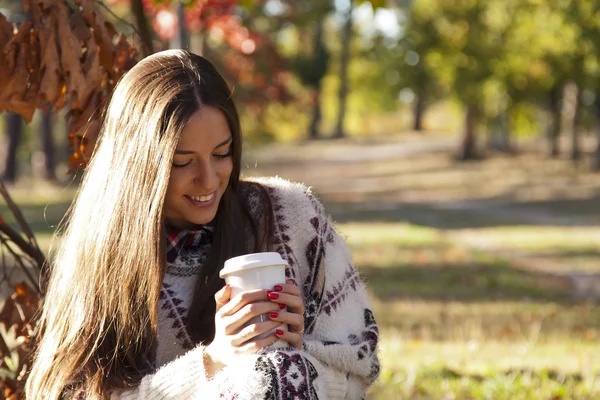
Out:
{"x": 344, "y": 62}
{"x": 313, "y": 132}
{"x": 181, "y": 40}
{"x": 596, "y": 161}
{"x": 142, "y": 24}
{"x": 500, "y": 134}
{"x": 468, "y": 149}
{"x": 318, "y": 46}
{"x": 575, "y": 147}
{"x": 14, "y": 131}
{"x": 553, "y": 132}
{"x": 418, "y": 112}
{"x": 47, "y": 142}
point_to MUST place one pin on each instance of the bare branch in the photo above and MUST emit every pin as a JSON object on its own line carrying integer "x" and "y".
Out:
{"x": 17, "y": 213}
{"x": 24, "y": 268}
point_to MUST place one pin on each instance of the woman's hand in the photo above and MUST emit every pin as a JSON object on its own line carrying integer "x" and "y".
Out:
{"x": 231, "y": 337}
{"x": 288, "y": 297}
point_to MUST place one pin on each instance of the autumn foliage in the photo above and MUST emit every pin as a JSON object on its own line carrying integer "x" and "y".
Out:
{"x": 65, "y": 56}
{"x": 62, "y": 57}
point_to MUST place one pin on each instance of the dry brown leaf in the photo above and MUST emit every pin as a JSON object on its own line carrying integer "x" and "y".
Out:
{"x": 91, "y": 67}
{"x": 7, "y": 312}
{"x": 70, "y": 54}
{"x": 80, "y": 119}
{"x": 33, "y": 79}
{"x": 6, "y": 33}
{"x": 126, "y": 56}
{"x": 26, "y": 300}
{"x": 22, "y": 107}
{"x": 103, "y": 33}
{"x": 17, "y": 54}
{"x": 63, "y": 97}
{"x": 79, "y": 27}
{"x": 12, "y": 47}
{"x": 50, "y": 64}
{"x": 62, "y": 57}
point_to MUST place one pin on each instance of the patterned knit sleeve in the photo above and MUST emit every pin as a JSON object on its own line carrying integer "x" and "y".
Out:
{"x": 339, "y": 359}
{"x": 185, "y": 379}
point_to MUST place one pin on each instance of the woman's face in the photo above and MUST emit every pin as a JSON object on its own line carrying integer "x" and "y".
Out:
{"x": 201, "y": 169}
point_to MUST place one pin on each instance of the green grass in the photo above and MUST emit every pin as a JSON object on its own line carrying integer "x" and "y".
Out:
{"x": 462, "y": 323}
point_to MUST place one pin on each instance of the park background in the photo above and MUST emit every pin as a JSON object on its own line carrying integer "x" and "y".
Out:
{"x": 456, "y": 145}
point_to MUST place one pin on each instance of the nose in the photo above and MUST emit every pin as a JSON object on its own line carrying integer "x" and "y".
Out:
{"x": 206, "y": 177}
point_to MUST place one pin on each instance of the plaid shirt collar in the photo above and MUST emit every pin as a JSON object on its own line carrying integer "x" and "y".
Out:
{"x": 177, "y": 239}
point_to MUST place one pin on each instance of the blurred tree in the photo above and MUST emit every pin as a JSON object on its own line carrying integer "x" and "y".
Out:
{"x": 420, "y": 45}
{"x": 47, "y": 146}
{"x": 584, "y": 16}
{"x": 143, "y": 26}
{"x": 13, "y": 128}
{"x": 344, "y": 62}
{"x": 310, "y": 64}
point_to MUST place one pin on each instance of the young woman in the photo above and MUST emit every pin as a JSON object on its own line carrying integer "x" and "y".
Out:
{"x": 135, "y": 308}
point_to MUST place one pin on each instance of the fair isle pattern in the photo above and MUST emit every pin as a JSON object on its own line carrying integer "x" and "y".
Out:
{"x": 282, "y": 239}
{"x": 314, "y": 283}
{"x": 335, "y": 295}
{"x": 171, "y": 303}
{"x": 368, "y": 342}
{"x": 292, "y": 375}
{"x": 189, "y": 261}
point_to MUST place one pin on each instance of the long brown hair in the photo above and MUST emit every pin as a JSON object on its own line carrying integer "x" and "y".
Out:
{"x": 100, "y": 317}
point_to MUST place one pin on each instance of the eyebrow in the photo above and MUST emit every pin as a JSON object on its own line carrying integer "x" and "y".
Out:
{"x": 223, "y": 143}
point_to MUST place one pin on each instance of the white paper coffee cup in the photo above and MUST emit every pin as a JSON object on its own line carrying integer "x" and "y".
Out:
{"x": 255, "y": 271}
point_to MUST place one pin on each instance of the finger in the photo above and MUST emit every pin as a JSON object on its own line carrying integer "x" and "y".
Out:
{"x": 252, "y": 331}
{"x": 295, "y": 321}
{"x": 294, "y": 339}
{"x": 236, "y": 321}
{"x": 240, "y": 300}
{"x": 222, "y": 296}
{"x": 254, "y": 346}
{"x": 290, "y": 282}
{"x": 287, "y": 288}
{"x": 293, "y": 302}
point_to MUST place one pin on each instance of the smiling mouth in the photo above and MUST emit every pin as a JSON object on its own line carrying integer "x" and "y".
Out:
{"x": 203, "y": 199}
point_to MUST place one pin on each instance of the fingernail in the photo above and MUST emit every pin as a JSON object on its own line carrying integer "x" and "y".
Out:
{"x": 278, "y": 332}
{"x": 281, "y": 306}
{"x": 291, "y": 281}
{"x": 278, "y": 288}
{"x": 273, "y": 296}
{"x": 273, "y": 314}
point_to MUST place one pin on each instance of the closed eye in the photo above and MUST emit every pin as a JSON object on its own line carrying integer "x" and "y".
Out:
{"x": 181, "y": 165}
{"x": 223, "y": 156}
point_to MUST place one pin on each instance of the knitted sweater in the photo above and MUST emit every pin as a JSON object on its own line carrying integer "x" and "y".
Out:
{"x": 339, "y": 358}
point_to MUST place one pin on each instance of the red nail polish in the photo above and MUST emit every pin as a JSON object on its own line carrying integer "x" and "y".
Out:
{"x": 278, "y": 332}
{"x": 281, "y": 306}
{"x": 273, "y": 296}
{"x": 273, "y": 314}
{"x": 278, "y": 288}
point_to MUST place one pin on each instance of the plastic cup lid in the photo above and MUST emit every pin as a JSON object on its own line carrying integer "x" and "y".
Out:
{"x": 248, "y": 261}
